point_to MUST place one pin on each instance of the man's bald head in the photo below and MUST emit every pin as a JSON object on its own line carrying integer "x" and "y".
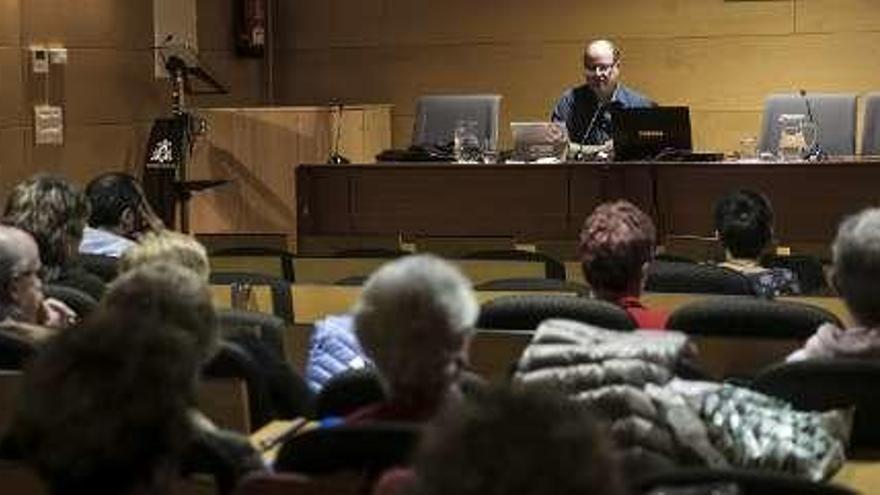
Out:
{"x": 21, "y": 291}
{"x": 15, "y": 247}
{"x": 602, "y": 68}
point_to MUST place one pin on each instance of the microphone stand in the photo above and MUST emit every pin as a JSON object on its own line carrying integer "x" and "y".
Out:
{"x": 816, "y": 153}
{"x": 600, "y": 108}
{"x": 336, "y": 158}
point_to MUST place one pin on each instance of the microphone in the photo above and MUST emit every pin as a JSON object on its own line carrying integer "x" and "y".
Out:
{"x": 336, "y": 158}
{"x": 817, "y": 153}
{"x": 608, "y": 106}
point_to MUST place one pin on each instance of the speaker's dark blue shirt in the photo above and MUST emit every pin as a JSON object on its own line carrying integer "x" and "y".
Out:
{"x": 578, "y": 106}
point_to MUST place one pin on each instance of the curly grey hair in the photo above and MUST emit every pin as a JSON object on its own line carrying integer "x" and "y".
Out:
{"x": 54, "y": 211}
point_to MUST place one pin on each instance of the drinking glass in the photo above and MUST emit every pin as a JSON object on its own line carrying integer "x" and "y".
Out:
{"x": 467, "y": 147}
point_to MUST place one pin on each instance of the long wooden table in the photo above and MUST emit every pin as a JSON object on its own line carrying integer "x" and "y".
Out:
{"x": 533, "y": 202}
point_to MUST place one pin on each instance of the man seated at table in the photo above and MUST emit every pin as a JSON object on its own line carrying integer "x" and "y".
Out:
{"x": 856, "y": 253}
{"x": 586, "y": 109}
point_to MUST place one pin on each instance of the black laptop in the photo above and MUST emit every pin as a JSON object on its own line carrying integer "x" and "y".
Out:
{"x": 654, "y": 133}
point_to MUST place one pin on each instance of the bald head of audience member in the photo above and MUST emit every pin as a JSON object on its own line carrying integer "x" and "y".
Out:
{"x": 617, "y": 245}
{"x": 414, "y": 318}
{"x": 22, "y": 293}
{"x": 505, "y": 442}
{"x": 602, "y": 68}
{"x": 856, "y": 253}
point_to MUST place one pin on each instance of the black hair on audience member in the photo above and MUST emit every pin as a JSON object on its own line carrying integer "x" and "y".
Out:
{"x": 744, "y": 221}
{"x": 109, "y": 195}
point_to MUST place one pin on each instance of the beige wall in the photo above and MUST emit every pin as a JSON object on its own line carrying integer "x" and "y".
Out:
{"x": 719, "y": 57}
{"x": 107, "y": 88}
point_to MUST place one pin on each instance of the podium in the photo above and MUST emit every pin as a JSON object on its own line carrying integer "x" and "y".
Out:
{"x": 166, "y": 179}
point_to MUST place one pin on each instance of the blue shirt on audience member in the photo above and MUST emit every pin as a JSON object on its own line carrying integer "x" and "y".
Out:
{"x": 104, "y": 242}
{"x": 334, "y": 348}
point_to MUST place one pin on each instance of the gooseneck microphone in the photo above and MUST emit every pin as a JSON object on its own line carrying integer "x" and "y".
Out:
{"x": 817, "y": 153}
{"x": 608, "y": 106}
{"x": 599, "y": 109}
{"x": 336, "y": 157}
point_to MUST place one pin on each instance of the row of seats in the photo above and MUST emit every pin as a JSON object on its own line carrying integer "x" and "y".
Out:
{"x": 680, "y": 481}
{"x": 485, "y": 268}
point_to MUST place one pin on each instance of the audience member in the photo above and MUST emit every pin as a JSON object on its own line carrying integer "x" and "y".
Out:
{"x": 517, "y": 441}
{"x": 856, "y": 254}
{"x": 26, "y": 316}
{"x": 54, "y": 212}
{"x": 105, "y": 409}
{"x": 180, "y": 299}
{"x": 617, "y": 245}
{"x": 414, "y": 319}
{"x": 744, "y": 222}
{"x": 120, "y": 214}
{"x": 169, "y": 292}
{"x": 281, "y": 392}
{"x": 171, "y": 247}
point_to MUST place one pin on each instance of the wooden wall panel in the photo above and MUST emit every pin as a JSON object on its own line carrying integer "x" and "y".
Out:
{"x": 215, "y": 26}
{"x": 320, "y": 24}
{"x": 98, "y": 87}
{"x": 10, "y": 16}
{"x": 340, "y": 23}
{"x": 89, "y": 23}
{"x": 837, "y": 16}
{"x": 90, "y": 150}
{"x": 12, "y": 163}
{"x": 720, "y": 58}
{"x": 12, "y": 108}
{"x": 243, "y": 78}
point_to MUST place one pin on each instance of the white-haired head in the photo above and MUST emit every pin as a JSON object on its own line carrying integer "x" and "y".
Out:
{"x": 21, "y": 294}
{"x": 856, "y": 252}
{"x": 413, "y": 318}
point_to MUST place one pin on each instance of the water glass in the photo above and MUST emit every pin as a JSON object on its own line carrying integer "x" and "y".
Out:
{"x": 242, "y": 296}
{"x": 467, "y": 146}
{"x": 748, "y": 148}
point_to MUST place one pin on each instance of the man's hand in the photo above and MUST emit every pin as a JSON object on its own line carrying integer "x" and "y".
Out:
{"x": 55, "y": 314}
{"x": 591, "y": 151}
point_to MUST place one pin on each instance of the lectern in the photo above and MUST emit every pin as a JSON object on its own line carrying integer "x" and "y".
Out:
{"x": 165, "y": 178}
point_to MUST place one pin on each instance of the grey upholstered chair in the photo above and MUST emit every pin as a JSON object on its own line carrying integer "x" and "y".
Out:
{"x": 834, "y": 114}
{"x": 871, "y": 125}
{"x": 437, "y": 115}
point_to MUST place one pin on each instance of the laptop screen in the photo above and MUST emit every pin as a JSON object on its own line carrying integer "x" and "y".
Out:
{"x": 647, "y": 133}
